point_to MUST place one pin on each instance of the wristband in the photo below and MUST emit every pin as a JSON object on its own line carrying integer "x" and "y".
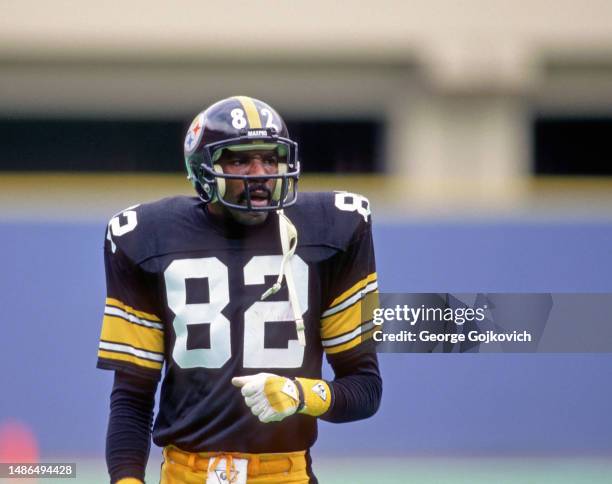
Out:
{"x": 315, "y": 396}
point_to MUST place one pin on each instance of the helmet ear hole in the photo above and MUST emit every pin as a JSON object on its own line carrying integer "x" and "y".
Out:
{"x": 220, "y": 181}
{"x": 278, "y": 186}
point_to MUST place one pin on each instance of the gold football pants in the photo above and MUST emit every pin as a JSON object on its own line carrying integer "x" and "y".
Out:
{"x": 182, "y": 467}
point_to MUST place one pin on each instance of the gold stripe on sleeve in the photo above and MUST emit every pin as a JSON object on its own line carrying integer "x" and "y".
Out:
{"x": 350, "y": 318}
{"x": 118, "y": 330}
{"x": 111, "y": 355}
{"x": 251, "y": 111}
{"x": 341, "y": 322}
{"x": 356, "y": 287}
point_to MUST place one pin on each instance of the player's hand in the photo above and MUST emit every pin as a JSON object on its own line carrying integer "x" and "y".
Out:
{"x": 270, "y": 397}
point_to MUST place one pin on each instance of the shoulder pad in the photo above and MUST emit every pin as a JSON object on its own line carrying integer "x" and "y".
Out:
{"x": 139, "y": 231}
{"x": 330, "y": 218}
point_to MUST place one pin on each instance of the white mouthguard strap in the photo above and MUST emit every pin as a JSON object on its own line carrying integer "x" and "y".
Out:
{"x": 289, "y": 238}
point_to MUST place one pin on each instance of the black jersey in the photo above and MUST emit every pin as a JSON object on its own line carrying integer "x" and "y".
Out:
{"x": 184, "y": 294}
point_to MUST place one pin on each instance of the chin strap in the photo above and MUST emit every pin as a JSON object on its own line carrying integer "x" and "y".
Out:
{"x": 288, "y": 236}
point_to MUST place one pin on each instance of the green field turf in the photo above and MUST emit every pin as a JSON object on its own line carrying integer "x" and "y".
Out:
{"x": 425, "y": 470}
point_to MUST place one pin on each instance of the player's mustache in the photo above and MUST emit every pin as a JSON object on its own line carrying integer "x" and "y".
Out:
{"x": 254, "y": 188}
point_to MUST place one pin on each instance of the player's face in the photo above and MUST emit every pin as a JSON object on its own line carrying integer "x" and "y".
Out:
{"x": 255, "y": 163}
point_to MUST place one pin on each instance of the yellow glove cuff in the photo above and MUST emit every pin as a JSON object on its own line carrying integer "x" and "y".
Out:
{"x": 129, "y": 480}
{"x": 317, "y": 396}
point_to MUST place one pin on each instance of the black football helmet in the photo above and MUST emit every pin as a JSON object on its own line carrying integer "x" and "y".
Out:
{"x": 240, "y": 123}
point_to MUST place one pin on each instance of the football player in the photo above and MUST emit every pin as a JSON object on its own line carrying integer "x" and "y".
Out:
{"x": 235, "y": 295}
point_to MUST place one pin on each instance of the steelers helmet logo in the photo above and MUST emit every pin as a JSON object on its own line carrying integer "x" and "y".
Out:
{"x": 194, "y": 134}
